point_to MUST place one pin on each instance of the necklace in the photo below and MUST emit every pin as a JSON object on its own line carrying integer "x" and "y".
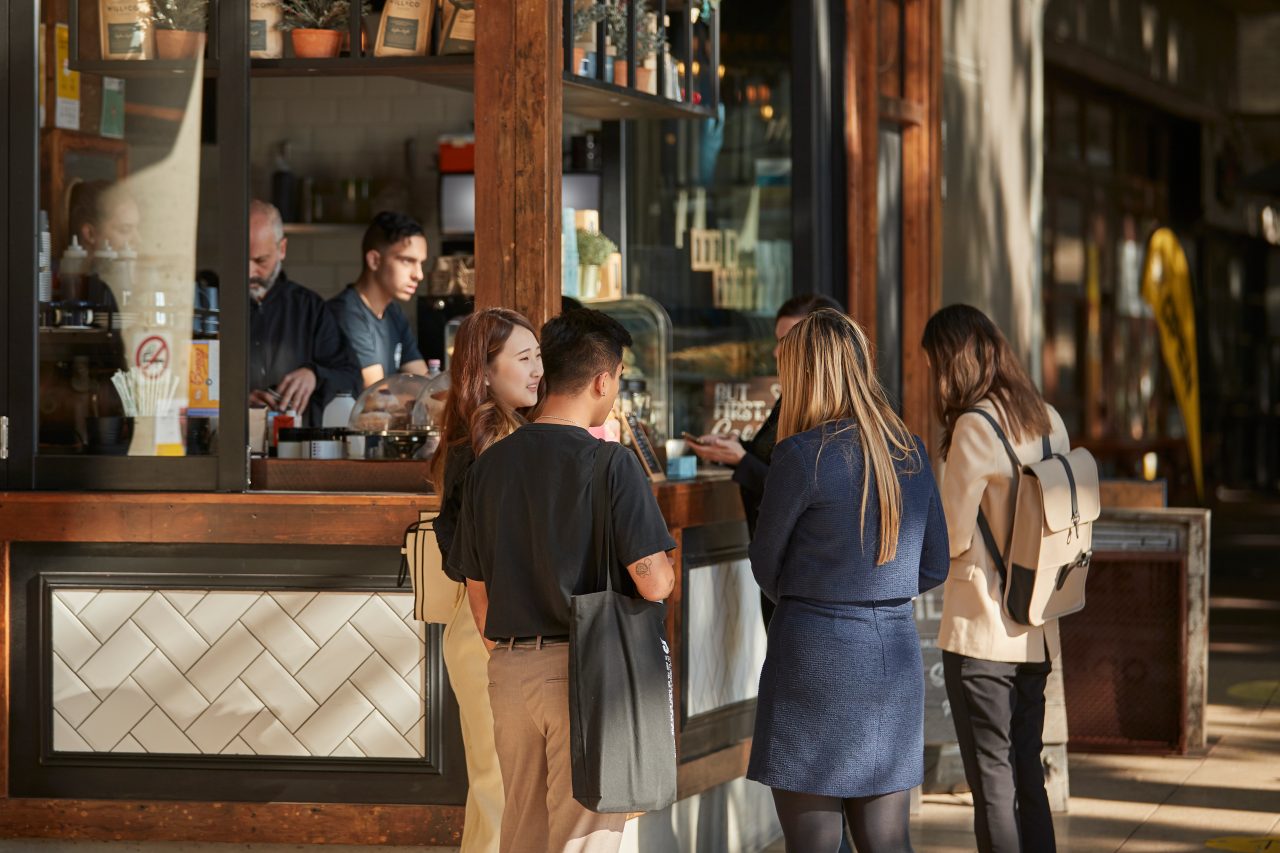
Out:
{"x": 563, "y": 420}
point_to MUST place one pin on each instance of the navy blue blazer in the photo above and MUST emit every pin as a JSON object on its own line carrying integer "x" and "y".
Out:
{"x": 809, "y": 541}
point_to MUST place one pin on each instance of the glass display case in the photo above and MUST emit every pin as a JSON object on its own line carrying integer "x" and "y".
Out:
{"x": 646, "y": 379}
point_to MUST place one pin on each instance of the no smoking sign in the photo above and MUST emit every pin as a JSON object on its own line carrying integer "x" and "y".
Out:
{"x": 152, "y": 356}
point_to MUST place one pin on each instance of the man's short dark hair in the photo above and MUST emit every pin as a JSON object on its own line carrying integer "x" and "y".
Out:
{"x": 579, "y": 345}
{"x": 387, "y": 229}
{"x": 804, "y": 304}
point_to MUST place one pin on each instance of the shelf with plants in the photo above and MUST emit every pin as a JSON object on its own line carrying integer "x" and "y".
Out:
{"x": 641, "y": 59}
{"x": 335, "y": 38}
{"x": 298, "y": 38}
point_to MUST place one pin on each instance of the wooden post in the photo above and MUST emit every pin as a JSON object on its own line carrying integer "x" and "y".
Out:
{"x": 921, "y": 206}
{"x": 862, "y": 143}
{"x": 518, "y": 115}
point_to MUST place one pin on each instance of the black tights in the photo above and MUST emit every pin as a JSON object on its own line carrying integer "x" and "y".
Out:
{"x": 813, "y": 824}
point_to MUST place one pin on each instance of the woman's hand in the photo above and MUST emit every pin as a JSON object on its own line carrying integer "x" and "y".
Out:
{"x": 725, "y": 450}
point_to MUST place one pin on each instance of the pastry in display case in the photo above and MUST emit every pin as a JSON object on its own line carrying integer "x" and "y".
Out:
{"x": 382, "y": 424}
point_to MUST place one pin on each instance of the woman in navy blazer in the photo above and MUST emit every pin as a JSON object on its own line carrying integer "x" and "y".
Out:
{"x": 850, "y": 531}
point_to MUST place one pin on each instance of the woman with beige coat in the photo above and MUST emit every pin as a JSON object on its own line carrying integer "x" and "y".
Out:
{"x": 995, "y": 668}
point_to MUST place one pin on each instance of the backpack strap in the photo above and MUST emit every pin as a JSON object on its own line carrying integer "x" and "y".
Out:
{"x": 1008, "y": 448}
{"x": 989, "y": 538}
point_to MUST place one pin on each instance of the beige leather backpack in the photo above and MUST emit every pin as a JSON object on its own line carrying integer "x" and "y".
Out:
{"x": 1043, "y": 573}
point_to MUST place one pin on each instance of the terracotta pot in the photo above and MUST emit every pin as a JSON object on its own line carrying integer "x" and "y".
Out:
{"x": 315, "y": 44}
{"x": 179, "y": 44}
{"x": 646, "y": 80}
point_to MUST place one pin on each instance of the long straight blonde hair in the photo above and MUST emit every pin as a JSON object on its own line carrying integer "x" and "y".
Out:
{"x": 828, "y": 374}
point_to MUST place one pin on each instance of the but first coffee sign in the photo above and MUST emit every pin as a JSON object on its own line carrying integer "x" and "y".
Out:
{"x": 741, "y": 407}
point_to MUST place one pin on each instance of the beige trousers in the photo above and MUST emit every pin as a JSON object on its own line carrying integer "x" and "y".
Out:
{"x": 529, "y": 690}
{"x": 467, "y": 660}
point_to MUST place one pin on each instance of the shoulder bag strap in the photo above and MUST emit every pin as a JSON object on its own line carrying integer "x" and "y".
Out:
{"x": 604, "y": 547}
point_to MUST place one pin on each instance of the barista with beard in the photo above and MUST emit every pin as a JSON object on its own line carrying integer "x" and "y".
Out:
{"x": 298, "y": 357}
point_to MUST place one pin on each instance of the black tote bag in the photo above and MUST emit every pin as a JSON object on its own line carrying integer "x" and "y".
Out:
{"x": 621, "y": 717}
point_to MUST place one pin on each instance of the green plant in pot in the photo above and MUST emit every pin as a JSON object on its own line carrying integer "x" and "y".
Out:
{"x": 316, "y": 27}
{"x": 594, "y": 250}
{"x": 586, "y": 15}
{"x": 650, "y": 38}
{"x": 180, "y": 27}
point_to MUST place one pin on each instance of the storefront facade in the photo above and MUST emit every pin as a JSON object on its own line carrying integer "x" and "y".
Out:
{"x": 198, "y": 639}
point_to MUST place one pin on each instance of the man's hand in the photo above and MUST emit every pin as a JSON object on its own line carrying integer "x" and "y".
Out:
{"x": 260, "y": 399}
{"x": 723, "y": 449}
{"x": 296, "y": 389}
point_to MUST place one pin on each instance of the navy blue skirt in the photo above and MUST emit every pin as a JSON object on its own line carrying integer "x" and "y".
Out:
{"x": 841, "y": 706}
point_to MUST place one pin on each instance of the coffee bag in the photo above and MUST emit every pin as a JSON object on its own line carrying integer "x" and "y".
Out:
{"x": 405, "y": 29}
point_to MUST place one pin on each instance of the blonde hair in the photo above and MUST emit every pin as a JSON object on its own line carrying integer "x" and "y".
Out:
{"x": 827, "y": 372}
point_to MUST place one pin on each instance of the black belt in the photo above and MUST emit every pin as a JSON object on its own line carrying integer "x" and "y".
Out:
{"x": 537, "y": 641}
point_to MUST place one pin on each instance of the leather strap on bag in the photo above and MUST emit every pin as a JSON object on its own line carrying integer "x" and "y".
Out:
{"x": 989, "y": 538}
{"x": 602, "y": 515}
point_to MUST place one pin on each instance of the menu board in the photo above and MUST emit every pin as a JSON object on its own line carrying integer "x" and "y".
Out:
{"x": 643, "y": 447}
{"x": 741, "y": 407}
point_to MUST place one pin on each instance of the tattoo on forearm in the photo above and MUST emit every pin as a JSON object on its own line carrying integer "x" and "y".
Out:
{"x": 644, "y": 567}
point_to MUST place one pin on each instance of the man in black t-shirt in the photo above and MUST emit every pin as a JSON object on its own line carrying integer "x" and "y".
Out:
{"x": 524, "y": 542}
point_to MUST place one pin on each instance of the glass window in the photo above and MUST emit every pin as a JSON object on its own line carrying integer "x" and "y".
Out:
{"x": 129, "y": 265}
{"x": 709, "y": 230}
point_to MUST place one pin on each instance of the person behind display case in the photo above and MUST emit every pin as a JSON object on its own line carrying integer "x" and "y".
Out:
{"x": 994, "y": 668}
{"x": 298, "y": 357}
{"x": 495, "y": 377}
{"x": 393, "y": 252}
{"x": 750, "y": 458}
{"x": 850, "y": 531}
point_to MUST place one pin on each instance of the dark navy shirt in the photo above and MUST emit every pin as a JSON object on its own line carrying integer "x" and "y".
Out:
{"x": 809, "y": 541}
{"x": 289, "y": 329}
{"x": 387, "y": 340}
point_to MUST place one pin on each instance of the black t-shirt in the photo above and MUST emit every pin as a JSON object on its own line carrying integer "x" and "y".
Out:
{"x": 457, "y": 464}
{"x": 525, "y": 526}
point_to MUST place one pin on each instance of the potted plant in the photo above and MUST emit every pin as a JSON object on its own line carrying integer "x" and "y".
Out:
{"x": 180, "y": 27}
{"x": 594, "y": 250}
{"x": 316, "y": 27}
{"x": 650, "y": 38}
{"x": 586, "y": 15}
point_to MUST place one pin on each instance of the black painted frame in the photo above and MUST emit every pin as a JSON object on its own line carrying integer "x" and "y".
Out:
{"x": 227, "y": 471}
{"x": 702, "y": 734}
{"x": 35, "y": 770}
{"x": 819, "y": 232}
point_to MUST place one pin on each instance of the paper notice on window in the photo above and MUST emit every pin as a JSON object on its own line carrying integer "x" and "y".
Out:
{"x": 67, "y": 105}
{"x": 112, "y": 108}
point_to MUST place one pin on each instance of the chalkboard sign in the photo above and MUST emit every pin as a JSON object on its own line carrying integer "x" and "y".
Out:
{"x": 643, "y": 448}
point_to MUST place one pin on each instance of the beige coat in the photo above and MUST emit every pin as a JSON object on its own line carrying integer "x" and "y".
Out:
{"x": 978, "y": 473}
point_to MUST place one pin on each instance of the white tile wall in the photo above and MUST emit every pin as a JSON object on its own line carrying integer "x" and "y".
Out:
{"x": 300, "y": 674}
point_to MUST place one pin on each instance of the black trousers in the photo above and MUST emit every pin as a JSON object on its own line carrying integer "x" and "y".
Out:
{"x": 998, "y": 710}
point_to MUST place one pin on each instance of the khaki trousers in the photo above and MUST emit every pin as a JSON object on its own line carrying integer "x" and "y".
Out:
{"x": 467, "y": 660}
{"x": 529, "y": 691}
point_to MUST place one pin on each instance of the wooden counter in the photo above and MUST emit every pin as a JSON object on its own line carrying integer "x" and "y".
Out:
{"x": 274, "y": 518}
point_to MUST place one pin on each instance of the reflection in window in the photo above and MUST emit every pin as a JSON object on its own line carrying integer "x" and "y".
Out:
{"x": 128, "y": 352}
{"x": 709, "y": 230}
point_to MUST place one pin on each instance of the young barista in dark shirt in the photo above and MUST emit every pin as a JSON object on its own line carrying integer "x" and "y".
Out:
{"x": 393, "y": 253}
{"x": 295, "y": 346}
{"x": 524, "y": 541}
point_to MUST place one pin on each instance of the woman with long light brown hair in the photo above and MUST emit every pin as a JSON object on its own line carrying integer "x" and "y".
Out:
{"x": 995, "y": 668}
{"x": 495, "y": 377}
{"x": 850, "y": 531}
